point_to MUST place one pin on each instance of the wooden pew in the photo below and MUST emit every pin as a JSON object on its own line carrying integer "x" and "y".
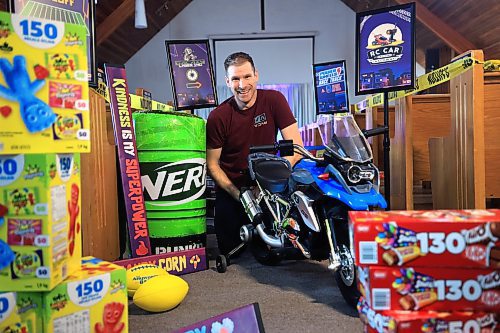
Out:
{"x": 417, "y": 118}
{"x": 458, "y": 160}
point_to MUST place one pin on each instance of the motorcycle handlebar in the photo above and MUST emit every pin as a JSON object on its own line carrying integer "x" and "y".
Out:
{"x": 286, "y": 148}
{"x": 375, "y": 131}
{"x": 263, "y": 148}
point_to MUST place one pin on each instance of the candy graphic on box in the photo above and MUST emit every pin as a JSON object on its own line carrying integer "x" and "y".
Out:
{"x": 41, "y": 199}
{"x": 92, "y": 299}
{"x": 30, "y": 98}
{"x": 462, "y": 238}
{"x": 426, "y": 321}
{"x": 21, "y": 312}
{"x": 63, "y": 95}
{"x": 449, "y": 289}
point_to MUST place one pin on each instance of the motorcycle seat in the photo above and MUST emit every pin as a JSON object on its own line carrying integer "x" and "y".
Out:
{"x": 272, "y": 174}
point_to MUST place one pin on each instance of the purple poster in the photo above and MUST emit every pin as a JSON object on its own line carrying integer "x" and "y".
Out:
{"x": 191, "y": 74}
{"x": 385, "y": 49}
{"x": 242, "y": 320}
{"x": 121, "y": 115}
{"x": 330, "y": 87}
{"x": 69, "y": 11}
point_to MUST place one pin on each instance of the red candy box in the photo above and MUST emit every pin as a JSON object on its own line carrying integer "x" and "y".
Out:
{"x": 438, "y": 238}
{"x": 426, "y": 321}
{"x": 416, "y": 289}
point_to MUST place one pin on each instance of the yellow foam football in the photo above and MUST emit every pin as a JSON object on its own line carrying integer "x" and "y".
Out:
{"x": 161, "y": 293}
{"x": 138, "y": 275}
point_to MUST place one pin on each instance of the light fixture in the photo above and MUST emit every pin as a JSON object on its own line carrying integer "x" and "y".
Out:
{"x": 140, "y": 15}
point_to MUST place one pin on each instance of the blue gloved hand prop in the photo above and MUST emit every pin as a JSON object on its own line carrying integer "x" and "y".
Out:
{"x": 36, "y": 114}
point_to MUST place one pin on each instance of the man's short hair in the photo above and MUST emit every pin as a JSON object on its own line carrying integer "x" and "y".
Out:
{"x": 238, "y": 58}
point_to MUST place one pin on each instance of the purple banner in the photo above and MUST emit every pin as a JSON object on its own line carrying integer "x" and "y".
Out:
{"x": 74, "y": 11}
{"x": 176, "y": 263}
{"x": 242, "y": 320}
{"x": 191, "y": 73}
{"x": 119, "y": 102}
{"x": 385, "y": 49}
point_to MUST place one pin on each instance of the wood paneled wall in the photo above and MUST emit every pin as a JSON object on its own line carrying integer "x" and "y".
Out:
{"x": 99, "y": 186}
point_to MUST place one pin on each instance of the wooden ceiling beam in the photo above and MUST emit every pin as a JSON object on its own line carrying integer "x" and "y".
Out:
{"x": 452, "y": 38}
{"x": 114, "y": 21}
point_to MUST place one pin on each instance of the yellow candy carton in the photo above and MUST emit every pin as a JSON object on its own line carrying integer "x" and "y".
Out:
{"x": 40, "y": 220}
{"x": 44, "y": 93}
{"x": 21, "y": 312}
{"x": 93, "y": 299}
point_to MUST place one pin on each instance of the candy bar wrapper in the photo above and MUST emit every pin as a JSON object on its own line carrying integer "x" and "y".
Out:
{"x": 440, "y": 238}
{"x": 430, "y": 289}
{"x": 426, "y": 321}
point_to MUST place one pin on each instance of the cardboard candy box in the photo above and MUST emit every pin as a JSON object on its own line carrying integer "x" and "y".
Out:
{"x": 411, "y": 289}
{"x": 40, "y": 204}
{"x": 438, "y": 238}
{"x": 44, "y": 105}
{"x": 426, "y": 321}
{"x": 93, "y": 299}
{"x": 21, "y": 312}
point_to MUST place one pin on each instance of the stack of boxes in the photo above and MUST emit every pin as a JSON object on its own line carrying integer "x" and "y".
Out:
{"x": 428, "y": 271}
{"x": 45, "y": 285}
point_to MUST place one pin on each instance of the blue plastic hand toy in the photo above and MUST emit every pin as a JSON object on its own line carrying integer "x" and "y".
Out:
{"x": 37, "y": 115}
{"x": 6, "y": 255}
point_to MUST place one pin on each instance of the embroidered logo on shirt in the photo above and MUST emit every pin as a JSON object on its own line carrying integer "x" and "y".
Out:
{"x": 259, "y": 120}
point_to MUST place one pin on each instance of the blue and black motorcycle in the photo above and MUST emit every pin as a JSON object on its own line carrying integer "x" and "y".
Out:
{"x": 303, "y": 212}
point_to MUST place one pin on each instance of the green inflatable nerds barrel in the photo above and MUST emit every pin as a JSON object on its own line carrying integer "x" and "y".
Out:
{"x": 172, "y": 159}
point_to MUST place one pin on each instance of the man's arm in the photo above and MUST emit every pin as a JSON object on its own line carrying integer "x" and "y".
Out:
{"x": 218, "y": 175}
{"x": 292, "y": 133}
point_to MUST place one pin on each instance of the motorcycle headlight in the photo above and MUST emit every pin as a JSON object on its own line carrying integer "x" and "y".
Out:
{"x": 355, "y": 174}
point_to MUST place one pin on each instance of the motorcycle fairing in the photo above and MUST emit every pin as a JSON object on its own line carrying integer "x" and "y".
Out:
{"x": 335, "y": 190}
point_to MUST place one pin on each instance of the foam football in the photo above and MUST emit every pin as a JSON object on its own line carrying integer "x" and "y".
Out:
{"x": 161, "y": 293}
{"x": 138, "y": 275}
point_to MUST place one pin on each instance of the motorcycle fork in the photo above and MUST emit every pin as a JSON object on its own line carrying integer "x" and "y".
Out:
{"x": 334, "y": 258}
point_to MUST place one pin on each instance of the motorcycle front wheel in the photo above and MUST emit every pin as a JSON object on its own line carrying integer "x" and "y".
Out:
{"x": 346, "y": 274}
{"x": 263, "y": 253}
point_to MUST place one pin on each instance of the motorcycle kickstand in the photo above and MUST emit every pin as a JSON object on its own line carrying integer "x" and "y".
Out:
{"x": 222, "y": 261}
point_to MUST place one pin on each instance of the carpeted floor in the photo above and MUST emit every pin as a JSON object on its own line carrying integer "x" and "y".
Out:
{"x": 296, "y": 296}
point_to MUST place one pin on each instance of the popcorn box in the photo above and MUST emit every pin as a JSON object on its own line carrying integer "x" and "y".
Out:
{"x": 430, "y": 289}
{"x": 44, "y": 105}
{"x": 426, "y": 321}
{"x": 21, "y": 312}
{"x": 93, "y": 299}
{"x": 41, "y": 194}
{"x": 438, "y": 238}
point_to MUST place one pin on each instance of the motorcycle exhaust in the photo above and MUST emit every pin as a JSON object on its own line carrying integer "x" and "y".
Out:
{"x": 268, "y": 239}
{"x": 247, "y": 231}
{"x": 253, "y": 210}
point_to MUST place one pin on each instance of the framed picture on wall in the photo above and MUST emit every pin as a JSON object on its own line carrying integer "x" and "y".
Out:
{"x": 330, "y": 87}
{"x": 385, "y": 49}
{"x": 74, "y": 11}
{"x": 191, "y": 74}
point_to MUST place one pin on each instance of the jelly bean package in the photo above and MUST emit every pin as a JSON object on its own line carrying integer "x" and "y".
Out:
{"x": 44, "y": 94}
{"x": 438, "y": 238}
{"x": 41, "y": 200}
{"x": 93, "y": 299}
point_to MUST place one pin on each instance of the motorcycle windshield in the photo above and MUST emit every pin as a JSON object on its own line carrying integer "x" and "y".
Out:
{"x": 343, "y": 138}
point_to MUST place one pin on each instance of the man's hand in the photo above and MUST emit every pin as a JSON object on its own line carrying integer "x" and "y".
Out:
{"x": 292, "y": 133}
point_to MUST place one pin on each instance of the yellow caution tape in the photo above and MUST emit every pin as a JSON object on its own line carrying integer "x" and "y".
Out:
{"x": 136, "y": 102}
{"x": 423, "y": 82}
